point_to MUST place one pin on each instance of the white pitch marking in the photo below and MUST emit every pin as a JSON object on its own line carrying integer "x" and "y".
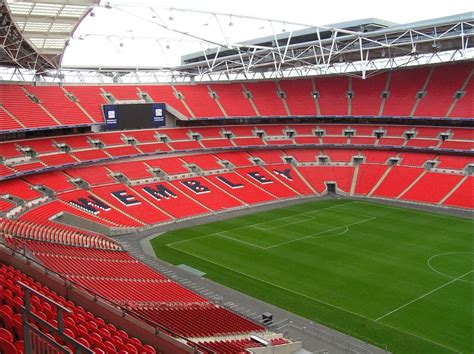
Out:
{"x": 320, "y": 301}
{"x": 237, "y": 240}
{"x": 323, "y": 232}
{"x": 262, "y": 222}
{"x": 424, "y": 295}
{"x": 290, "y": 223}
{"x": 444, "y": 254}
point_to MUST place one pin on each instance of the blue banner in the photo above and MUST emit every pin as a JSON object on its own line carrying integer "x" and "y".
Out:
{"x": 111, "y": 116}
{"x": 158, "y": 115}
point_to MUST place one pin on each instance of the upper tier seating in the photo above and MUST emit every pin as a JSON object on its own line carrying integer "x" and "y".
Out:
{"x": 198, "y": 99}
{"x": 231, "y": 96}
{"x": 57, "y": 103}
{"x": 404, "y": 85}
{"x": 444, "y": 82}
{"x": 15, "y": 100}
{"x": 463, "y": 107}
{"x": 91, "y": 99}
{"x": 332, "y": 95}
{"x": 299, "y": 96}
{"x": 265, "y": 97}
{"x": 368, "y": 95}
{"x": 7, "y": 122}
{"x": 165, "y": 93}
{"x": 123, "y": 92}
{"x": 331, "y": 99}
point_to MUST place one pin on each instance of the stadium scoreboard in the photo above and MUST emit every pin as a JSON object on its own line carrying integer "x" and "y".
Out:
{"x": 134, "y": 115}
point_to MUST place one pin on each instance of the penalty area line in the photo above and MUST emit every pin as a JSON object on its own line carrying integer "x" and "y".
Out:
{"x": 320, "y": 233}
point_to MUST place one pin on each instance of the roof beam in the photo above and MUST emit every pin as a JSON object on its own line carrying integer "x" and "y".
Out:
{"x": 50, "y": 51}
{"x": 49, "y": 35}
{"x": 44, "y": 19}
{"x": 61, "y": 2}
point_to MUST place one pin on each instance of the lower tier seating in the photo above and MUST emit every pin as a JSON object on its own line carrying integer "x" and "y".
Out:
{"x": 83, "y": 326}
{"x": 199, "y": 320}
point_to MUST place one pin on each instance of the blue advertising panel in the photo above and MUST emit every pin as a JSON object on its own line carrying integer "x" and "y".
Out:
{"x": 158, "y": 115}
{"x": 111, "y": 117}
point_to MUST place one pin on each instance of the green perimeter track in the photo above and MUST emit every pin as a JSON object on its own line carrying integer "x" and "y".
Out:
{"x": 396, "y": 277}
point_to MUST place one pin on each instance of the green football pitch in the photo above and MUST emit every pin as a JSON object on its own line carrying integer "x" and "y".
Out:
{"x": 396, "y": 277}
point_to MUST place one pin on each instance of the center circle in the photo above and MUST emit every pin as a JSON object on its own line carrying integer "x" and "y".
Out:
{"x": 452, "y": 264}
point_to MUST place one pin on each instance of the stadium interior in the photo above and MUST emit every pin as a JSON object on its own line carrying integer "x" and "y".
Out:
{"x": 84, "y": 163}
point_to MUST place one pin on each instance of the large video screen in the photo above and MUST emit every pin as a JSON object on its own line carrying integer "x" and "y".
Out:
{"x": 134, "y": 116}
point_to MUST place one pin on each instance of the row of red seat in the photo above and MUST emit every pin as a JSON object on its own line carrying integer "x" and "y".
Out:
{"x": 117, "y": 277}
{"x": 402, "y": 86}
{"x": 151, "y": 293}
{"x": 81, "y": 325}
{"x": 95, "y": 267}
{"x": 84, "y": 153}
{"x": 199, "y": 320}
{"x": 45, "y": 146}
{"x": 154, "y": 203}
{"x": 55, "y": 233}
{"x": 125, "y": 206}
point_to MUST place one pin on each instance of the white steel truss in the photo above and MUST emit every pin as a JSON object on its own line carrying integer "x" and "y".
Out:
{"x": 352, "y": 50}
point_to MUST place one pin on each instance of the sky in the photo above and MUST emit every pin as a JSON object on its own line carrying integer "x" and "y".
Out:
{"x": 133, "y": 33}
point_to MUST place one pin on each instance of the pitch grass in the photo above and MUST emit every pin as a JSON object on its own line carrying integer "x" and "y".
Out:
{"x": 396, "y": 277}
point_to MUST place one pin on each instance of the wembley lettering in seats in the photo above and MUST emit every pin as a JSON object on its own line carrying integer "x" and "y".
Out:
{"x": 159, "y": 192}
{"x": 286, "y": 173}
{"x": 229, "y": 183}
{"x": 260, "y": 178}
{"x": 90, "y": 204}
{"x": 195, "y": 186}
{"x": 126, "y": 199}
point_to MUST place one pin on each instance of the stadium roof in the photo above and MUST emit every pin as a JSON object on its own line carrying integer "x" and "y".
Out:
{"x": 154, "y": 43}
{"x": 35, "y": 33}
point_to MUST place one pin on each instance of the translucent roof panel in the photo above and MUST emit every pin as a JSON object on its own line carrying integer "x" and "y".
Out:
{"x": 38, "y": 20}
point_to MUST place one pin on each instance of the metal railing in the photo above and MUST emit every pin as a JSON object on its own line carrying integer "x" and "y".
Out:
{"x": 35, "y": 340}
